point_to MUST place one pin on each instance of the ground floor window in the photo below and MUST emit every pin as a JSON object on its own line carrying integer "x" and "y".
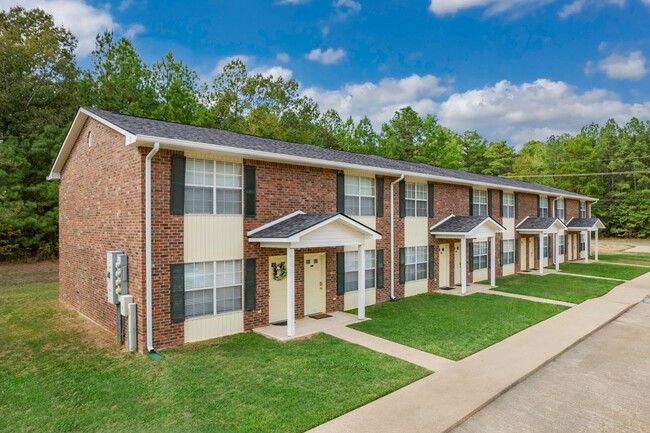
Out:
{"x": 352, "y": 270}
{"x": 479, "y": 255}
{"x": 583, "y": 242}
{"x": 545, "y": 246}
{"x": 508, "y": 251}
{"x": 213, "y": 288}
{"x": 561, "y": 244}
{"x": 416, "y": 261}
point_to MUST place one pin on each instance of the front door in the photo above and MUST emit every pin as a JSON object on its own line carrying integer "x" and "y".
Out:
{"x": 443, "y": 266}
{"x": 277, "y": 289}
{"x": 531, "y": 252}
{"x": 314, "y": 283}
{"x": 457, "y": 264}
{"x": 522, "y": 254}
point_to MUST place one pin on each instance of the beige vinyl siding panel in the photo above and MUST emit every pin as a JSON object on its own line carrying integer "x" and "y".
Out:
{"x": 351, "y": 299}
{"x": 368, "y": 221}
{"x": 509, "y": 224}
{"x": 482, "y": 274}
{"x": 416, "y": 287}
{"x": 416, "y": 231}
{"x": 204, "y": 328}
{"x": 213, "y": 238}
{"x": 508, "y": 269}
{"x": 336, "y": 232}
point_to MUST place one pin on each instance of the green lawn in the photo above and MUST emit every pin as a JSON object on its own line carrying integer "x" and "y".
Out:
{"x": 627, "y": 258}
{"x": 58, "y": 373}
{"x": 452, "y": 326}
{"x": 604, "y": 270}
{"x": 556, "y": 286}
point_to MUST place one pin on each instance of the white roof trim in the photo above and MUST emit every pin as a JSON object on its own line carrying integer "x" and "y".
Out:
{"x": 437, "y": 224}
{"x": 553, "y": 228}
{"x": 496, "y": 228}
{"x": 274, "y": 222}
{"x": 522, "y": 221}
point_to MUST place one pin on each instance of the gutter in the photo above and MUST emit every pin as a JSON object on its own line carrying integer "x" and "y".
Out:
{"x": 392, "y": 237}
{"x": 148, "y": 264}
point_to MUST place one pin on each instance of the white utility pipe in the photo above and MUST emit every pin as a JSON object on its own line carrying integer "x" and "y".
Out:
{"x": 392, "y": 236}
{"x": 156, "y": 148}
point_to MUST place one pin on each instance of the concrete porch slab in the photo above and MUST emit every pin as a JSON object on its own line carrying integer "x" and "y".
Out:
{"x": 471, "y": 288}
{"x": 308, "y": 326}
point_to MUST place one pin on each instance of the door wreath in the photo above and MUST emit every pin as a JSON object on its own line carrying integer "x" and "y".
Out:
{"x": 279, "y": 271}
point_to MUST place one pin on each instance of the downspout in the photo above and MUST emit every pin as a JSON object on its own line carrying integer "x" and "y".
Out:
{"x": 392, "y": 238}
{"x": 156, "y": 148}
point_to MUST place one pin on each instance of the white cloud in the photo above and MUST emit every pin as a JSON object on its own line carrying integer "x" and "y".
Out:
{"x": 284, "y": 57}
{"x": 630, "y": 66}
{"x": 125, "y": 4}
{"x": 346, "y": 8}
{"x": 328, "y": 57}
{"x": 252, "y": 67}
{"x": 274, "y": 71}
{"x": 572, "y": 8}
{"x": 133, "y": 30}
{"x": 291, "y": 2}
{"x": 493, "y": 7}
{"x": 83, "y": 20}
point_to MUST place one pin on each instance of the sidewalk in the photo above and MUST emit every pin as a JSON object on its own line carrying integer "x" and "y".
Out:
{"x": 441, "y": 401}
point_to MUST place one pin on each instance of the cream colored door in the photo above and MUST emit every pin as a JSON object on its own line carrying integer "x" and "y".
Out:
{"x": 522, "y": 254}
{"x": 314, "y": 283}
{"x": 457, "y": 264}
{"x": 443, "y": 265}
{"x": 277, "y": 289}
{"x": 569, "y": 239}
{"x": 531, "y": 252}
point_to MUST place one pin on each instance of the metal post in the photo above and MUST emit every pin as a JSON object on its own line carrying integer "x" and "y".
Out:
{"x": 291, "y": 304}
{"x": 541, "y": 253}
{"x": 132, "y": 339}
{"x": 361, "y": 292}
{"x": 586, "y": 246}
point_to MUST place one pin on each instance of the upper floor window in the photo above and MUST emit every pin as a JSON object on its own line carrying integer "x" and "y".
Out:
{"x": 352, "y": 270}
{"x": 359, "y": 196}
{"x": 543, "y": 207}
{"x": 479, "y": 202}
{"x": 416, "y": 200}
{"x": 213, "y": 187}
{"x": 479, "y": 255}
{"x": 416, "y": 263}
{"x": 559, "y": 206}
{"x": 508, "y": 252}
{"x": 508, "y": 205}
{"x": 213, "y": 288}
{"x": 583, "y": 209}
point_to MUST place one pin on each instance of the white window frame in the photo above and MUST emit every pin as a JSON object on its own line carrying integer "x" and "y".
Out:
{"x": 416, "y": 196}
{"x": 237, "y": 174}
{"x": 583, "y": 242}
{"x": 583, "y": 209}
{"x": 508, "y": 205}
{"x": 415, "y": 260}
{"x": 479, "y": 255}
{"x": 561, "y": 239}
{"x": 480, "y": 202}
{"x": 215, "y": 288}
{"x": 508, "y": 252}
{"x": 561, "y": 214}
{"x": 545, "y": 247}
{"x": 543, "y": 207}
{"x": 352, "y": 270}
{"x": 351, "y": 196}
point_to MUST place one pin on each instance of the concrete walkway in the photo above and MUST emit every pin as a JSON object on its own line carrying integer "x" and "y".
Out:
{"x": 529, "y": 298}
{"x": 396, "y": 350}
{"x": 443, "y": 400}
{"x": 591, "y": 276}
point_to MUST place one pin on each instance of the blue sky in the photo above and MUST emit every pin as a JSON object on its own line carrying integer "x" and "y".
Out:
{"x": 511, "y": 69}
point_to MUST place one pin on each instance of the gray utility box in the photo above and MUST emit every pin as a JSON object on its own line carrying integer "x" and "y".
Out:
{"x": 117, "y": 276}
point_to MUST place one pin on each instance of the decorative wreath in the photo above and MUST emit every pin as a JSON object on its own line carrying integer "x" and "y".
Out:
{"x": 279, "y": 271}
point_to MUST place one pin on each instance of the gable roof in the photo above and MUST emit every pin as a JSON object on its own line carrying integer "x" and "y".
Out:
{"x": 464, "y": 225}
{"x": 140, "y": 131}
{"x": 542, "y": 224}
{"x": 585, "y": 223}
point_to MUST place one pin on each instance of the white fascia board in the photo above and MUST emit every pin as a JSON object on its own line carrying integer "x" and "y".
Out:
{"x": 522, "y": 221}
{"x": 449, "y": 235}
{"x": 174, "y": 144}
{"x": 496, "y": 227}
{"x": 130, "y": 138}
{"x": 436, "y": 225}
{"x": 274, "y": 222}
{"x": 533, "y": 231}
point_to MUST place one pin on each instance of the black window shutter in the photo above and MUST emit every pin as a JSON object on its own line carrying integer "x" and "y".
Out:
{"x": 250, "y": 199}
{"x": 471, "y": 257}
{"x": 340, "y": 192}
{"x": 177, "y": 190}
{"x": 402, "y": 265}
{"x": 489, "y": 194}
{"x": 517, "y": 252}
{"x": 432, "y": 257}
{"x": 516, "y": 205}
{"x": 539, "y": 209}
{"x": 402, "y": 199}
{"x": 555, "y": 211}
{"x": 501, "y": 253}
{"x": 380, "y": 269}
{"x": 471, "y": 202}
{"x": 250, "y": 283}
{"x": 379, "y": 200}
{"x": 501, "y": 204}
{"x": 340, "y": 274}
{"x": 430, "y": 196}
{"x": 177, "y": 295}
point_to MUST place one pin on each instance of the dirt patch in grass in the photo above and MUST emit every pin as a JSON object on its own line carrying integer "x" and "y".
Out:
{"x": 21, "y": 274}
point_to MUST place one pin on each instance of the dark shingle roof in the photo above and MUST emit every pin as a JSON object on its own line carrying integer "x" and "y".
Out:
{"x": 177, "y": 131}
{"x": 293, "y": 225}
{"x": 536, "y": 223}
{"x": 582, "y": 222}
{"x": 459, "y": 224}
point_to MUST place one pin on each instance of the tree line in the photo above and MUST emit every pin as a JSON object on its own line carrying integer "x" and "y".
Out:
{"x": 41, "y": 88}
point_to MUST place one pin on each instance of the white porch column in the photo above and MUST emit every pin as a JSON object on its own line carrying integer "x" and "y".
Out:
{"x": 541, "y": 253}
{"x": 493, "y": 262}
{"x": 586, "y": 246}
{"x": 596, "y": 247}
{"x": 361, "y": 291}
{"x": 291, "y": 293}
{"x": 557, "y": 250}
{"x": 463, "y": 266}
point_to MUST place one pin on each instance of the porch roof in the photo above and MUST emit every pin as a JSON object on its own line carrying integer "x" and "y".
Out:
{"x": 540, "y": 225}
{"x": 468, "y": 227}
{"x": 581, "y": 224}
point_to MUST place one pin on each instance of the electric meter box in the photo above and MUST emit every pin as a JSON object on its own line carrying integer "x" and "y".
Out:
{"x": 116, "y": 276}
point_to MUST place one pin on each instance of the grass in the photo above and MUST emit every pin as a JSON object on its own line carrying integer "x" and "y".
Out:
{"x": 452, "y": 326}
{"x": 604, "y": 270}
{"x": 59, "y": 373}
{"x": 626, "y": 258}
{"x": 565, "y": 288}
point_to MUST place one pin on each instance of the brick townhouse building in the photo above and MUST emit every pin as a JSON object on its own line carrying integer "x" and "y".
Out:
{"x": 226, "y": 232}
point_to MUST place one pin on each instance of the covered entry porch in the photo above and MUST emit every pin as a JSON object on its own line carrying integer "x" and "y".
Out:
{"x": 460, "y": 229}
{"x": 544, "y": 228}
{"x": 301, "y": 231}
{"x": 586, "y": 226}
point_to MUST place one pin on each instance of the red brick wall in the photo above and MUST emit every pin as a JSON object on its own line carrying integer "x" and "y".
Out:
{"x": 101, "y": 208}
{"x": 527, "y": 206}
{"x": 572, "y": 209}
{"x": 383, "y": 227}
